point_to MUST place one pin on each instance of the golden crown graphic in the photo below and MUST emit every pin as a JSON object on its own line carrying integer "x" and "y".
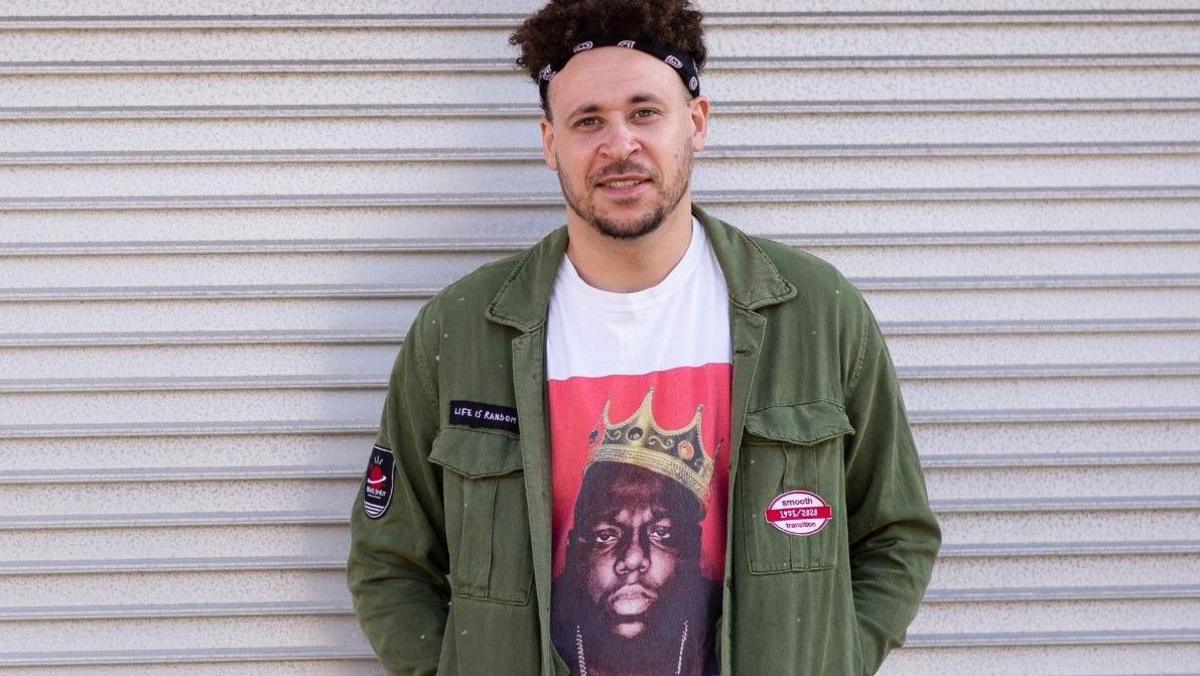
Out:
{"x": 676, "y": 454}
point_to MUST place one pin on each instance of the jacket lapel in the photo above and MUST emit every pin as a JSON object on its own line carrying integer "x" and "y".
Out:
{"x": 753, "y": 282}
{"x": 523, "y": 303}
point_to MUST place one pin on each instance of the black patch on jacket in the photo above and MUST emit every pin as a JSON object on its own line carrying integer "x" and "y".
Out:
{"x": 377, "y": 489}
{"x": 490, "y": 416}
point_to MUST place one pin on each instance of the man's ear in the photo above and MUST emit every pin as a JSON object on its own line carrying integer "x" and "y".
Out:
{"x": 699, "y": 109}
{"x": 548, "y": 143}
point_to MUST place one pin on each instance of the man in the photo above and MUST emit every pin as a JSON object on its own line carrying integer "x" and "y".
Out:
{"x": 508, "y": 526}
{"x": 632, "y": 598}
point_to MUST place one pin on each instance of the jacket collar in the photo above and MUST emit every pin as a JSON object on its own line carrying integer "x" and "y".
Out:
{"x": 523, "y": 301}
{"x": 751, "y": 276}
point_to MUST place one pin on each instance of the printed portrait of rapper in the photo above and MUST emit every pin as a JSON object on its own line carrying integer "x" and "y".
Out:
{"x": 632, "y": 552}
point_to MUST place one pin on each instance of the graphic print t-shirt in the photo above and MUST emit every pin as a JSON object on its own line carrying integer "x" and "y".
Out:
{"x": 639, "y": 387}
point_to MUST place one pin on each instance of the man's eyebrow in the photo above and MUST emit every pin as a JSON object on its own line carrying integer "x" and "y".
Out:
{"x": 645, "y": 98}
{"x": 585, "y": 108}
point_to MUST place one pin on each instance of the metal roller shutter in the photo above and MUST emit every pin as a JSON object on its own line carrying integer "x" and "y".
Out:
{"x": 218, "y": 218}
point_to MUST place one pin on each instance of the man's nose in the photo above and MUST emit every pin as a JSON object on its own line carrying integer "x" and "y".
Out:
{"x": 621, "y": 141}
{"x": 635, "y": 557}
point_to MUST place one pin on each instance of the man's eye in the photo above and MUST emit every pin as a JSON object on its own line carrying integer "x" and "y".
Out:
{"x": 604, "y": 537}
{"x": 660, "y": 533}
{"x": 645, "y": 113}
{"x": 586, "y": 122}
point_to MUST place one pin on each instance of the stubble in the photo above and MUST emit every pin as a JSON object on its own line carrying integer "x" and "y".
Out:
{"x": 666, "y": 200}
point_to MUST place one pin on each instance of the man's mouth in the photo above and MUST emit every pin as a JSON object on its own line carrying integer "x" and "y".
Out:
{"x": 632, "y": 599}
{"x": 621, "y": 184}
{"x": 624, "y": 185}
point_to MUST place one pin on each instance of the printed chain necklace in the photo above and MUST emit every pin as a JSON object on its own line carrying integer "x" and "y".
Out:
{"x": 581, "y": 660}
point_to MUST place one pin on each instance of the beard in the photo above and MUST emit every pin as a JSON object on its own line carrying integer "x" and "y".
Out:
{"x": 652, "y": 652}
{"x": 666, "y": 197}
{"x": 647, "y": 653}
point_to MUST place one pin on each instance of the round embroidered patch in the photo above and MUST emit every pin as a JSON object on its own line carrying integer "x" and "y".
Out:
{"x": 799, "y": 513}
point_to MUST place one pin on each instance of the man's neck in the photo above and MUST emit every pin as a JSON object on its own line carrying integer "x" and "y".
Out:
{"x": 625, "y": 266}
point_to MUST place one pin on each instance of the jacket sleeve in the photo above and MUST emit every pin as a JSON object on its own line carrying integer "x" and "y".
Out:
{"x": 398, "y": 562}
{"x": 893, "y": 534}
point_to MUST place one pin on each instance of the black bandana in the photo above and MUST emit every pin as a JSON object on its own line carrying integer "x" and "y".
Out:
{"x": 683, "y": 64}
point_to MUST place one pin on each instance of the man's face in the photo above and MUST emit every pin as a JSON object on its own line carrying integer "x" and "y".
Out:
{"x": 622, "y": 139}
{"x": 631, "y": 556}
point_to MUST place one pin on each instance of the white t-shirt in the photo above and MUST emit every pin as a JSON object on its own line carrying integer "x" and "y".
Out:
{"x": 639, "y": 389}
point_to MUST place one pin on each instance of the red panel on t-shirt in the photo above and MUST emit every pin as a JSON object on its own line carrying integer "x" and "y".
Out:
{"x": 576, "y": 407}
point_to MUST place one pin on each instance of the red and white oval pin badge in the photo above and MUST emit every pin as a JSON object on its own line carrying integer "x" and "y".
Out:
{"x": 799, "y": 513}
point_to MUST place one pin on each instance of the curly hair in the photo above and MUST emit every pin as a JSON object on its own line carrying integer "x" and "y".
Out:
{"x": 549, "y": 35}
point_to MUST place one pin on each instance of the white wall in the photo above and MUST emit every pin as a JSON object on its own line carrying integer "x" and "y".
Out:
{"x": 216, "y": 220}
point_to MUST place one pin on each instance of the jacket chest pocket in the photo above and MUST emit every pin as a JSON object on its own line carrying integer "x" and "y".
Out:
{"x": 790, "y": 486}
{"x": 487, "y": 523}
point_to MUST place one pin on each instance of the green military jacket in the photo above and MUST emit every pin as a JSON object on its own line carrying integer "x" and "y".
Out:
{"x": 454, "y": 576}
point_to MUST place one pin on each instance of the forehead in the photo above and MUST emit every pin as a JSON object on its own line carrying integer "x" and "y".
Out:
{"x": 609, "y": 77}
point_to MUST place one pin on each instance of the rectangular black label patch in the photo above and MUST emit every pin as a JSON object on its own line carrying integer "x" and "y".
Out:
{"x": 475, "y": 414}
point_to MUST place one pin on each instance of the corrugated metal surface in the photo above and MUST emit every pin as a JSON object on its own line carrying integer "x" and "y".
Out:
{"x": 218, "y": 218}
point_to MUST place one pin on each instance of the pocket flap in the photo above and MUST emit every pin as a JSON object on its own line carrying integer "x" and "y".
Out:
{"x": 476, "y": 454}
{"x": 804, "y": 424}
